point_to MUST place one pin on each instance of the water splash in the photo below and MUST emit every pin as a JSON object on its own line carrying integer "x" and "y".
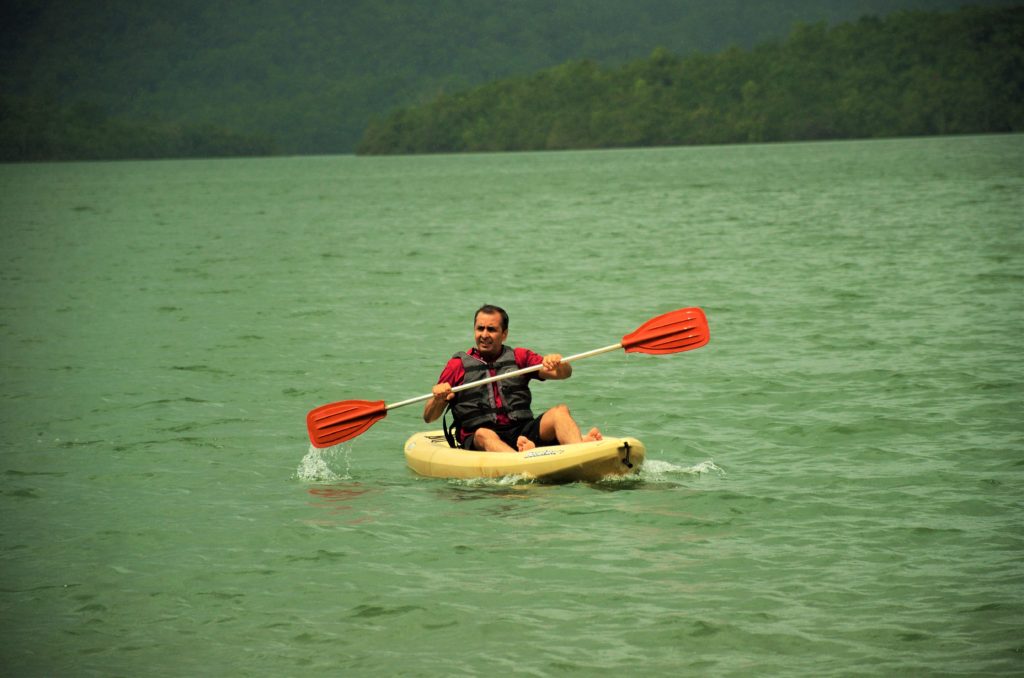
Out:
{"x": 501, "y": 481}
{"x": 323, "y": 465}
{"x": 656, "y": 470}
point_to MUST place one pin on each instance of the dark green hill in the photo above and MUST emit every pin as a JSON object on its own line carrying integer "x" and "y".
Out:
{"x": 151, "y": 78}
{"x": 913, "y": 73}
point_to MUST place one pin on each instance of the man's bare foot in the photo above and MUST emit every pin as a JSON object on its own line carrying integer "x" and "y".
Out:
{"x": 592, "y": 435}
{"x": 524, "y": 444}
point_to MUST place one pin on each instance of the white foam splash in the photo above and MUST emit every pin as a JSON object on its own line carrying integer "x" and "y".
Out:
{"x": 502, "y": 481}
{"x": 655, "y": 469}
{"x": 321, "y": 465}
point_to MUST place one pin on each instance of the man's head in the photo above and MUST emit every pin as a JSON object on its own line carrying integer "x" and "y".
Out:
{"x": 491, "y": 310}
{"x": 490, "y": 329}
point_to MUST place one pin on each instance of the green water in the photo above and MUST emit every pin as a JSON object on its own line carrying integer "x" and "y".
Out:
{"x": 834, "y": 486}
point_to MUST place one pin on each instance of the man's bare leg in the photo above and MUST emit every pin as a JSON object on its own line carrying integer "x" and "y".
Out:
{"x": 557, "y": 425}
{"x": 487, "y": 440}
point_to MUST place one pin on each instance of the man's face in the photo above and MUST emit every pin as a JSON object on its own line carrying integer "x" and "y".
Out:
{"x": 488, "y": 334}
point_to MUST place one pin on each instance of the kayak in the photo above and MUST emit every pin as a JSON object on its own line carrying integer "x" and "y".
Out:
{"x": 428, "y": 454}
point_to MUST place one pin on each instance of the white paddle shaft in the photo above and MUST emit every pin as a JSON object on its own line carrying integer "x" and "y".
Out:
{"x": 506, "y": 375}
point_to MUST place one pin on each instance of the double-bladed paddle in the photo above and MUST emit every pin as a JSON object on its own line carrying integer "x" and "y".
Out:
{"x": 673, "y": 332}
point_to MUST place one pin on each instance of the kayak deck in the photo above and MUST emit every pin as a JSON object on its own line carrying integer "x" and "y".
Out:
{"x": 428, "y": 454}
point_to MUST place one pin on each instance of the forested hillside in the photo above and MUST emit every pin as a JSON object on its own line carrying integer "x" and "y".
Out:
{"x": 912, "y": 73}
{"x": 152, "y": 78}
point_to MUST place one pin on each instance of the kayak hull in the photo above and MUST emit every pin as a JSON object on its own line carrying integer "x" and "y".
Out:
{"x": 428, "y": 454}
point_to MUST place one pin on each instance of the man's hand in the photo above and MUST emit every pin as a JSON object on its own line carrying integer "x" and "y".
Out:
{"x": 435, "y": 406}
{"x": 553, "y": 368}
{"x": 442, "y": 392}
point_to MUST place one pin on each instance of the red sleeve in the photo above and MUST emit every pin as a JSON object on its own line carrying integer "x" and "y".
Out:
{"x": 527, "y": 358}
{"x": 453, "y": 373}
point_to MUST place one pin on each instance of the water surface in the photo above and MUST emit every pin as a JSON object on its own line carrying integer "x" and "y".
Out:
{"x": 834, "y": 484}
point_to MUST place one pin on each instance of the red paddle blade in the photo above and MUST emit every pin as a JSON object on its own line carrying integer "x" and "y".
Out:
{"x": 337, "y": 422}
{"x": 673, "y": 332}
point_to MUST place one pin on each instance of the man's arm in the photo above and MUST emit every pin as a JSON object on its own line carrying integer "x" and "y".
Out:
{"x": 452, "y": 375}
{"x": 435, "y": 406}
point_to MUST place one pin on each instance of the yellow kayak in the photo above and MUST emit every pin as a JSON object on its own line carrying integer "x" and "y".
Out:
{"x": 428, "y": 454}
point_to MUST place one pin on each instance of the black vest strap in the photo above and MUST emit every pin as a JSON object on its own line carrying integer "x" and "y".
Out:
{"x": 449, "y": 429}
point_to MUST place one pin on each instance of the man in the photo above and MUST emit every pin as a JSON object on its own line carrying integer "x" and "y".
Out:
{"x": 496, "y": 417}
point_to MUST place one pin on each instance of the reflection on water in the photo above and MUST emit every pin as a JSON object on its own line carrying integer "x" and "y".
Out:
{"x": 335, "y": 500}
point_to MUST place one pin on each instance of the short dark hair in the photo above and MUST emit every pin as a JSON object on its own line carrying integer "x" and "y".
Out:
{"x": 490, "y": 308}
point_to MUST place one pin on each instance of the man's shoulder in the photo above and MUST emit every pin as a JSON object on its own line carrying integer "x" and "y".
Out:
{"x": 453, "y": 371}
{"x": 526, "y": 357}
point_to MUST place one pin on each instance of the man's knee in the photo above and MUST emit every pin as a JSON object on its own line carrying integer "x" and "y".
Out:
{"x": 483, "y": 436}
{"x": 561, "y": 410}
